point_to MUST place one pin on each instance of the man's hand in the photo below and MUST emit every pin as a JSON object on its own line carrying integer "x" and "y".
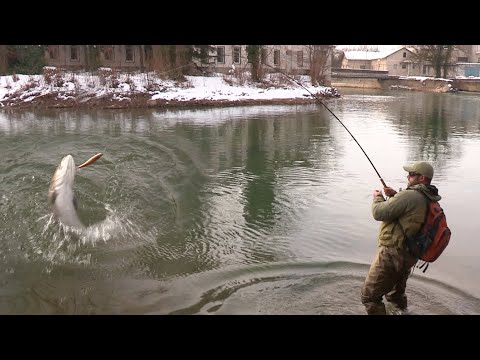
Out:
{"x": 389, "y": 191}
{"x": 377, "y": 193}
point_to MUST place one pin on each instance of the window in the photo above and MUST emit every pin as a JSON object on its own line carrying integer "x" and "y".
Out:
{"x": 108, "y": 53}
{"x": 404, "y": 54}
{"x": 73, "y": 52}
{"x": 276, "y": 57}
{"x": 404, "y": 66}
{"x": 53, "y": 52}
{"x": 221, "y": 55}
{"x": 462, "y": 59}
{"x": 300, "y": 58}
{"x": 236, "y": 54}
{"x": 264, "y": 56}
{"x": 129, "y": 53}
{"x": 424, "y": 69}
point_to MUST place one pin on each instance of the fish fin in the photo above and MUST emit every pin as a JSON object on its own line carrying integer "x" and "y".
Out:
{"x": 52, "y": 197}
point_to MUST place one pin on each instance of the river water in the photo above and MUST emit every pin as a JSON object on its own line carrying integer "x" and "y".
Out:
{"x": 236, "y": 210}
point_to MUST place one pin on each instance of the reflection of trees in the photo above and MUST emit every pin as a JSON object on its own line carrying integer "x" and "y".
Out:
{"x": 428, "y": 120}
{"x": 434, "y": 130}
{"x": 273, "y": 145}
{"x": 245, "y": 158}
{"x": 259, "y": 193}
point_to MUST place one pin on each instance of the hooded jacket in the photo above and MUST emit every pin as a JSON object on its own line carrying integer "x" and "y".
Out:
{"x": 408, "y": 207}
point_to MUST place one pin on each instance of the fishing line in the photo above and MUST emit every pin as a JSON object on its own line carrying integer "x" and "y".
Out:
{"x": 331, "y": 112}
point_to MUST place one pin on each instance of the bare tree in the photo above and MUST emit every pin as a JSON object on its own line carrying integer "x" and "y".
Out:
{"x": 318, "y": 58}
{"x": 158, "y": 61}
{"x": 167, "y": 59}
{"x": 142, "y": 57}
{"x": 254, "y": 56}
{"x": 174, "y": 61}
{"x": 183, "y": 59}
{"x": 3, "y": 59}
{"x": 440, "y": 56}
{"x": 92, "y": 57}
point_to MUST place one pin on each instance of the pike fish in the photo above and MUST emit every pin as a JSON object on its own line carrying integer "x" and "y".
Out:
{"x": 61, "y": 197}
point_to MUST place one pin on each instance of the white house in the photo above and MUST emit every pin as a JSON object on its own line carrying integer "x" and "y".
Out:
{"x": 400, "y": 62}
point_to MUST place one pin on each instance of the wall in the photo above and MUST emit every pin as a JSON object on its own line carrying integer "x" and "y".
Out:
{"x": 367, "y": 83}
{"x": 472, "y": 85}
{"x": 431, "y": 85}
{"x": 64, "y": 57}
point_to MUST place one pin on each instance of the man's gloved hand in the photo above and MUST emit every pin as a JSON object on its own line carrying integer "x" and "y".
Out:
{"x": 389, "y": 191}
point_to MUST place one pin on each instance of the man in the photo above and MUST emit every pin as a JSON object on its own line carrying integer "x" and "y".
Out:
{"x": 391, "y": 267}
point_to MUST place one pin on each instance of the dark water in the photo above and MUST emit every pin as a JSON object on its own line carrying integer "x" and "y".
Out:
{"x": 242, "y": 210}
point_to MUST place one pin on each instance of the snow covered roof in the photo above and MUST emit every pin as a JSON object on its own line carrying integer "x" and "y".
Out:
{"x": 371, "y": 55}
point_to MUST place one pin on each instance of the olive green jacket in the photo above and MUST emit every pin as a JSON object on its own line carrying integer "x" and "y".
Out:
{"x": 409, "y": 207}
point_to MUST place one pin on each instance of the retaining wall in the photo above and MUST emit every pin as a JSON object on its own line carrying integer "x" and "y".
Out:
{"x": 420, "y": 84}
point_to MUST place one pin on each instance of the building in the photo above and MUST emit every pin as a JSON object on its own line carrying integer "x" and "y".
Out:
{"x": 464, "y": 61}
{"x": 398, "y": 62}
{"x": 81, "y": 57}
{"x": 224, "y": 59}
{"x": 291, "y": 59}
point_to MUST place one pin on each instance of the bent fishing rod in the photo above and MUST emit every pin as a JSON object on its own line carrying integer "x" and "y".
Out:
{"x": 331, "y": 112}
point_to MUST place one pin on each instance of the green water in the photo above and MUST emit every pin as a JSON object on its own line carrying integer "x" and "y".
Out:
{"x": 239, "y": 210}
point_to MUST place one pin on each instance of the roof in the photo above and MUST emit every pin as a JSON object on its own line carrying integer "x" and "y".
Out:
{"x": 371, "y": 55}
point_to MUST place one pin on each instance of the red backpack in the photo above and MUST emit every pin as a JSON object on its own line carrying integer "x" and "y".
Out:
{"x": 432, "y": 238}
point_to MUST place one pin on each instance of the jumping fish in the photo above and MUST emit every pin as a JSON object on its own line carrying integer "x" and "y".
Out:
{"x": 61, "y": 197}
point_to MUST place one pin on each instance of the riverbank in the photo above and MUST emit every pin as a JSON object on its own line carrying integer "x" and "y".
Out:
{"x": 113, "y": 90}
{"x": 58, "y": 100}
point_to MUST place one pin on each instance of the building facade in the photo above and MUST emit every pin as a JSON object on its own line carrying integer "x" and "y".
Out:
{"x": 399, "y": 62}
{"x": 81, "y": 57}
{"x": 291, "y": 59}
{"x": 464, "y": 61}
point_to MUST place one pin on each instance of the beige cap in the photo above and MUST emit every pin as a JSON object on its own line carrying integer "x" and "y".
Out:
{"x": 420, "y": 167}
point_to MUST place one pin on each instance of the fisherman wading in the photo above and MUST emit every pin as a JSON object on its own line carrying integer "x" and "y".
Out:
{"x": 392, "y": 265}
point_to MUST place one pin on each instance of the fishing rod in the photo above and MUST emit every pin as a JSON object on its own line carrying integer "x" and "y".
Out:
{"x": 331, "y": 112}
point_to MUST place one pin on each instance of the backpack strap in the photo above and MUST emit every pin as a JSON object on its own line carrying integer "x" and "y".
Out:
{"x": 427, "y": 199}
{"x": 405, "y": 244}
{"x": 421, "y": 266}
{"x": 424, "y": 218}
